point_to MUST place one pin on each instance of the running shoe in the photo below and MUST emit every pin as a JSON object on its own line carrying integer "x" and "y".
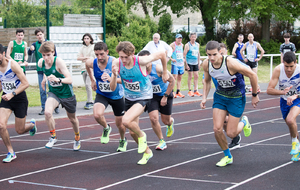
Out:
{"x": 191, "y": 94}
{"x": 77, "y": 145}
{"x": 162, "y": 145}
{"x": 56, "y": 110}
{"x": 145, "y": 158}
{"x": 295, "y": 148}
{"x": 170, "y": 129}
{"x": 225, "y": 161}
{"x": 179, "y": 95}
{"x": 174, "y": 95}
{"x": 295, "y": 157}
{"x": 142, "y": 146}
{"x": 89, "y": 105}
{"x": 10, "y": 157}
{"x": 51, "y": 142}
{"x": 235, "y": 143}
{"x": 34, "y": 129}
{"x": 197, "y": 93}
{"x": 247, "y": 128}
{"x": 122, "y": 145}
{"x": 105, "y": 135}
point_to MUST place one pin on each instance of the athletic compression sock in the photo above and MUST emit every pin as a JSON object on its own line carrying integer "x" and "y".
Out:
{"x": 53, "y": 134}
{"x": 77, "y": 136}
{"x": 227, "y": 153}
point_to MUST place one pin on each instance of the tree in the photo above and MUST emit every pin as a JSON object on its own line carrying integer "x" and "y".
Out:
{"x": 263, "y": 10}
{"x": 208, "y": 9}
{"x": 145, "y": 5}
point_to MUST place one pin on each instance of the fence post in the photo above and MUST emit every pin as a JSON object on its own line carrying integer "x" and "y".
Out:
{"x": 271, "y": 66}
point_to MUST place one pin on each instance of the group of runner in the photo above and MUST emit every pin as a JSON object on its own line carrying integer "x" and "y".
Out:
{"x": 133, "y": 84}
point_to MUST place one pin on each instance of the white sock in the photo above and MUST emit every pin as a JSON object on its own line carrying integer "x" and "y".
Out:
{"x": 295, "y": 139}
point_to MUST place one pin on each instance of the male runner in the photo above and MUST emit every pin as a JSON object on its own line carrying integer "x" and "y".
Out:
{"x": 287, "y": 74}
{"x": 236, "y": 51}
{"x": 60, "y": 92}
{"x": 192, "y": 61}
{"x": 161, "y": 102}
{"x": 102, "y": 73}
{"x": 137, "y": 89}
{"x": 177, "y": 63}
{"x": 14, "y": 99}
{"x": 229, "y": 96}
{"x": 17, "y": 49}
{"x": 34, "y": 48}
{"x": 286, "y": 46}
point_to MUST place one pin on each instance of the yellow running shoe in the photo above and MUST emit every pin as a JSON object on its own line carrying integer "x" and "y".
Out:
{"x": 225, "y": 161}
{"x": 142, "y": 146}
{"x": 170, "y": 129}
{"x": 145, "y": 158}
{"x": 295, "y": 157}
{"x": 295, "y": 148}
{"x": 247, "y": 128}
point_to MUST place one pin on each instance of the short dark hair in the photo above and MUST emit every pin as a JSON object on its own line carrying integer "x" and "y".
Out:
{"x": 222, "y": 45}
{"x": 289, "y": 57}
{"x": 286, "y": 35}
{"x": 20, "y": 31}
{"x": 100, "y": 46}
{"x": 144, "y": 52}
{"x": 90, "y": 36}
{"x": 212, "y": 45}
{"x": 2, "y": 49}
{"x": 38, "y": 30}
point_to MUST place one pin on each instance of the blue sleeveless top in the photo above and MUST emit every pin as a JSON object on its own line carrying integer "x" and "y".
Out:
{"x": 103, "y": 87}
{"x": 192, "y": 54}
{"x": 238, "y": 51}
{"x": 178, "y": 55}
{"x": 136, "y": 85}
{"x": 158, "y": 86}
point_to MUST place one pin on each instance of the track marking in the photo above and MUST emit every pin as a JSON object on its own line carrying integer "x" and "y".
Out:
{"x": 187, "y": 179}
{"x": 80, "y": 150}
{"x": 47, "y": 185}
{"x": 259, "y": 175}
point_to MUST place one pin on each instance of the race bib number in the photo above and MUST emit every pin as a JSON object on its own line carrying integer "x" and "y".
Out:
{"x": 156, "y": 89}
{"x": 132, "y": 86}
{"x": 179, "y": 56}
{"x": 286, "y": 50}
{"x": 291, "y": 93}
{"x": 8, "y": 87}
{"x": 195, "y": 53}
{"x": 250, "y": 57}
{"x": 18, "y": 56}
{"x": 104, "y": 87}
{"x": 226, "y": 83}
{"x": 55, "y": 84}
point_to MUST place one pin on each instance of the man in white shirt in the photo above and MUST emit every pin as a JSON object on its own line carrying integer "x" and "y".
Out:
{"x": 158, "y": 45}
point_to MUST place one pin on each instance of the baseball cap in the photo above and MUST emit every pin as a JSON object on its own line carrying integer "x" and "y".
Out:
{"x": 178, "y": 36}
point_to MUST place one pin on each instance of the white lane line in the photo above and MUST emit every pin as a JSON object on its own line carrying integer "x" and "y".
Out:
{"x": 47, "y": 185}
{"x": 188, "y": 179}
{"x": 81, "y": 150}
{"x": 259, "y": 175}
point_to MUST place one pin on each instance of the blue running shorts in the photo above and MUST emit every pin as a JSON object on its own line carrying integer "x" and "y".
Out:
{"x": 177, "y": 70}
{"x": 285, "y": 109}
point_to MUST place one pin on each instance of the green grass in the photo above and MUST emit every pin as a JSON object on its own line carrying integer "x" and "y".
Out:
{"x": 263, "y": 77}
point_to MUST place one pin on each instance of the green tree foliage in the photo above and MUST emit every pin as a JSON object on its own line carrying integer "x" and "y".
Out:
{"x": 263, "y": 10}
{"x": 208, "y": 9}
{"x": 165, "y": 23}
{"x": 146, "y": 5}
{"x": 112, "y": 42}
{"x": 116, "y": 17}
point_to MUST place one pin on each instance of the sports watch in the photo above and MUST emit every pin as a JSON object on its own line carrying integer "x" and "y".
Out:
{"x": 166, "y": 95}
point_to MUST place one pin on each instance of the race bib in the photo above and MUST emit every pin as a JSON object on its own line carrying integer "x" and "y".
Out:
{"x": 291, "y": 93}
{"x": 250, "y": 57}
{"x": 55, "y": 84}
{"x": 179, "y": 56}
{"x": 8, "y": 87}
{"x": 104, "y": 87}
{"x": 156, "y": 89}
{"x": 18, "y": 56}
{"x": 226, "y": 83}
{"x": 133, "y": 86}
{"x": 195, "y": 53}
{"x": 286, "y": 50}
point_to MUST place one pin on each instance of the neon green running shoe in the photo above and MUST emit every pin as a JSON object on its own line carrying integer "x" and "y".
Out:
{"x": 170, "y": 129}
{"x": 225, "y": 161}
{"x": 142, "y": 146}
{"x": 122, "y": 145}
{"x": 295, "y": 157}
{"x": 247, "y": 128}
{"x": 145, "y": 158}
{"x": 105, "y": 135}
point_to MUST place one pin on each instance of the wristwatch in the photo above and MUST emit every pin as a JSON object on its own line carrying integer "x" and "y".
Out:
{"x": 166, "y": 95}
{"x": 254, "y": 94}
{"x": 59, "y": 80}
{"x": 14, "y": 93}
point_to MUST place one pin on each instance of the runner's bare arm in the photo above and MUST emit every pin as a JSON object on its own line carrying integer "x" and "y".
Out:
{"x": 115, "y": 71}
{"x": 206, "y": 83}
{"x": 89, "y": 70}
{"x": 62, "y": 69}
{"x": 9, "y": 49}
{"x": 234, "y": 50}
